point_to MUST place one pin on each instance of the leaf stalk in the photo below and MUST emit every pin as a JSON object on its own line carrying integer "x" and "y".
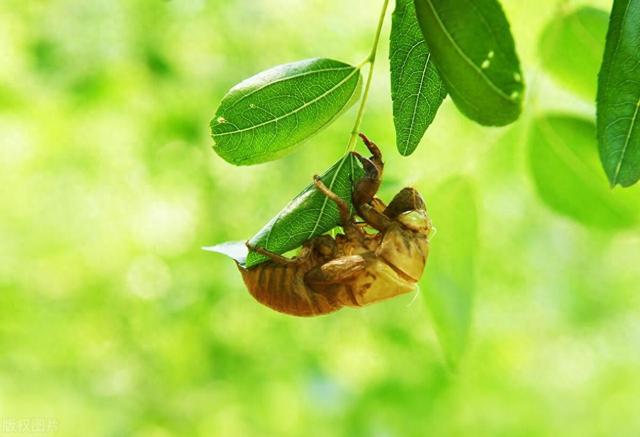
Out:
{"x": 371, "y": 60}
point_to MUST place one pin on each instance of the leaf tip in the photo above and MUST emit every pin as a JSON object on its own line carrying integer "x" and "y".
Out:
{"x": 236, "y": 250}
{"x": 406, "y": 149}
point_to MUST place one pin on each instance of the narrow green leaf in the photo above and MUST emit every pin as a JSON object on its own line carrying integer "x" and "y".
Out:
{"x": 571, "y": 48}
{"x": 449, "y": 280}
{"x": 619, "y": 96}
{"x": 309, "y": 214}
{"x": 564, "y": 163}
{"x": 474, "y": 51}
{"x": 416, "y": 88}
{"x": 264, "y": 117}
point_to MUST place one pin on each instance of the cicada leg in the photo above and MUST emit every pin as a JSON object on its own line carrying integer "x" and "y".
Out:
{"x": 376, "y": 157}
{"x": 343, "y": 207}
{"x": 369, "y": 207}
{"x": 336, "y": 271}
{"x": 278, "y": 259}
{"x": 378, "y": 204}
{"x": 346, "y": 219}
{"x": 367, "y": 186}
{"x": 374, "y": 218}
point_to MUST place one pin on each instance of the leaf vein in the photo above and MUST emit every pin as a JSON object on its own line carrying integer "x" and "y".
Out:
{"x": 295, "y": 111}
{"x": 464, "y": 56}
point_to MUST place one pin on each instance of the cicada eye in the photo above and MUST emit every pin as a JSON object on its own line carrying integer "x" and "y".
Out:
{"x": 417, "y": 221}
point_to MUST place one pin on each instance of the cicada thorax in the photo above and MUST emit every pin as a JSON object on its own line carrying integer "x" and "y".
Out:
{"x": 361, "y": 275}
{"x": 404, "y": 251}
{"x": 393, "y": 262}
{"x": 358, "y": 246}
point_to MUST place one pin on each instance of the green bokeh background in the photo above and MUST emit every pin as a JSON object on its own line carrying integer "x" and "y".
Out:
{"x": 114, "y": 322}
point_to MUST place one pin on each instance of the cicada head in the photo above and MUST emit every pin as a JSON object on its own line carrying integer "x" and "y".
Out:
{"x": 408, "y": 209}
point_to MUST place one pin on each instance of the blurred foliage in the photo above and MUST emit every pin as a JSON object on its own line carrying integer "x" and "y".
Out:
{"x": 450, "y": 284}
{"x": 563, "y": 154}
{"x": 114, "y": 322}
{"x": 571, "y": 48}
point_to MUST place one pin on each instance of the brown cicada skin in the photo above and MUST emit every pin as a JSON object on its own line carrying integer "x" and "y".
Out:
{"x": 356, "y": 268}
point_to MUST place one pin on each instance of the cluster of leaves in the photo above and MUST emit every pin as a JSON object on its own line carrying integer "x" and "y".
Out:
{"x": 467, "y": 52}
{"x": 563, "y": 148}
{"x": 264, "y": 117}
{"x": 572, "y": 49}
{"x": 462, "y": 49}
{"x": 562, "y": 154}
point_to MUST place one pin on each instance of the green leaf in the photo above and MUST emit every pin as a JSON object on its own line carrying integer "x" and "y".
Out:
{"x": 264, "y": 117}
{"x": 571, "y": 48}
{"x": 449, "y": 281}
{"x": 619, "y": 96}
{"x": 564, "y": 163}
{"x": 310, "y": 214}
{"x": 474, "y": 51}
{"x": 416, "y": 88}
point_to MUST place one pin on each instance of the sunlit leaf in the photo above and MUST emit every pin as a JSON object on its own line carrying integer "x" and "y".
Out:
{"x": 472, "y": 47}
{"x": 564, "y": 164}
{"x": 309, "y": 214}
{"x": 264, "y": 117}
{"x": 619, "y": 96}
{"x": 416, "y": 88}
{"x": 571, "y": 48}
{"x": 449, "y": 280}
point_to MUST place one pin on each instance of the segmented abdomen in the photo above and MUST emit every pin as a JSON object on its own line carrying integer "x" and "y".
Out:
{"x": 282, "y": 288}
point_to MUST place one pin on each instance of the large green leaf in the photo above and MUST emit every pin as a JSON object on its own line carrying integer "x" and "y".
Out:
{"x": 310, "y": 214}
{"x": 449, "y": 280}
{"x": 619, "y": 96}
{"x": 262, "y": 118}
{"x": 474, "y": 51}
{"x": 416, "y": 88}
{"x": 564, "y": 162}
{"x": 571, "y": 49}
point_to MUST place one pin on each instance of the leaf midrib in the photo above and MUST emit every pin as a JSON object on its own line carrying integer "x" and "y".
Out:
{"x": 295, "y": 111}
{"x": 326, "y": 199}
{"x": 632, "y": 125}
{"x": 464, "y": 56}
{"x": 284, "y": 79}
{"x": 322, "y": 208}
{"x": 415, "y": 105}
{"x": 258, "y": 156}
